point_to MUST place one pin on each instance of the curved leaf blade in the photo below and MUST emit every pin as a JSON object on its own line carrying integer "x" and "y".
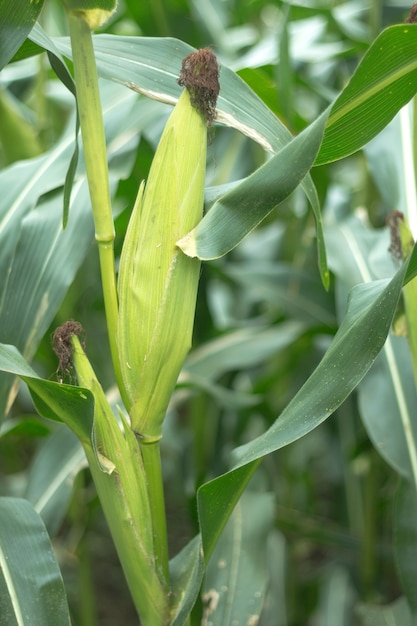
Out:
{"x": 242, "y": 208}
{"x": 385, "y": 80}
{"x": 186, "y": 573}
{"x": 354, "y": 349}
{"x": 52, "y": 474}
{"x": 31, "y": 586}
{"x": 151, "y": 66}
{"x": 236, "y": 578}
{"x": 72, "y": 405}
{"x": 17, "y": 18}
{"x": 387, "y": 395}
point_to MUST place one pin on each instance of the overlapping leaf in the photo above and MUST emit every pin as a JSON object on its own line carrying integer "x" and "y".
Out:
{"x": 354, "y": 349}
{"x": 17, "y": 18}
{"x": 33, "y": 593}
{"x": 385, "y": 80}
{"x": 242, "y": 208}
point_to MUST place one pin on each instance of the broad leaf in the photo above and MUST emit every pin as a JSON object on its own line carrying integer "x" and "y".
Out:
{"x": 240, "y": 210}
{"x": 186, "y": 572}
{"x": 385, "y": 80}
{"x": 52, "y": 474}
{"x": 151, "y": 67}
{"x": 31, "y": 586}
{"x": 236, "y": 578}
{"x": 17, "y": 18}
{"x": 38, "y": 260}
{"x": 387, "y": 396}
{"x": 354, "y": 349}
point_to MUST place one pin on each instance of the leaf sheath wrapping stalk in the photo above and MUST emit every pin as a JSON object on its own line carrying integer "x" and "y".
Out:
{"x": 157, "y": 282}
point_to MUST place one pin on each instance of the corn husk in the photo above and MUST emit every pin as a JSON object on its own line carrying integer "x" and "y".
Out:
{"x": 157, "y": 282}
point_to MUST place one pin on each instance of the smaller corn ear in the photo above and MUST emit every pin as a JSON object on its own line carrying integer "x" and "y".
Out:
{"x": 117, "y": 469}
{"x": 157, "y": 282}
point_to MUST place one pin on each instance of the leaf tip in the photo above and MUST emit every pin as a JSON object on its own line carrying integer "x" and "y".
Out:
{"x": 188, "y": 244}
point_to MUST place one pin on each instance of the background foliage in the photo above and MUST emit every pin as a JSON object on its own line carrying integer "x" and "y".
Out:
{"x": 319, "y": 541}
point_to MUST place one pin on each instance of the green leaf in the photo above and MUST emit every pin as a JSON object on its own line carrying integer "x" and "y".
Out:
{"x": 387, "y": 400}
{"x": 354, "y": 349}
{"x": 72, "y": 405}
{"x": 31, "y": 586}
{"x": 43, "y": 265}
{"x": 186, "y": 572}
{"x": 236, "y": 578}
{"x": 17, "y": 18}
{"x": 18, "y": 138}
{"x": 216, "y": 501}
{"x": 387, "y": 396}
{"x": 38, "y": 260}
{"x": 385, "y": 80}
{"x": 395, "y": 614}
{"x": 240, "y": 349}
{"x": 405, "y": 540}
{"x": 283, "y": 286}
{"x": 242, "y": 208}
{"x": 90, "y": 5}
{"x": 52, "y": 474}
{"x": 152, "y": 66}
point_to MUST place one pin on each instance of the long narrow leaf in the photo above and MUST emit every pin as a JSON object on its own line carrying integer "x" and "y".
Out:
{"x": 385, "y": 80}
{"x": 354, "y": 349}
{"x": 240, "y": 210}
{"x": 387, "y": 396}
{"x": 151, "y": 67}
{"x": 237, "y": 577}
{"x": 38, "y": 260}
{"x": 17, "y": 18}
{"x": 52, "y": 474}
{"x": 31, "y": 586}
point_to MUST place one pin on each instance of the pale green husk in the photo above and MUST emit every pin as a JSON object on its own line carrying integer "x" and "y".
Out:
{"x": 157, "y": 282}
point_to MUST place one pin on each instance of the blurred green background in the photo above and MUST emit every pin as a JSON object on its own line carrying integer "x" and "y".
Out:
{"x": 263, "y": 318}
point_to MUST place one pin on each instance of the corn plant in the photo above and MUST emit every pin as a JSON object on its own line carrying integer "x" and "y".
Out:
{"x": 54, "y": 201}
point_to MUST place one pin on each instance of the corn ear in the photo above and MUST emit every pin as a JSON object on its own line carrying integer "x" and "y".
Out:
{"x": 117, "y": 469}
{"x": 157, "y": 282}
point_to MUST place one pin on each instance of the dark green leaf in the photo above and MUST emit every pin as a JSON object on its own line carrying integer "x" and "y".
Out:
{"x": 31, "y": 586}
{"x": 354, "y": 349}
{"x": 385, "y": 80}
{"x": 152, "y": 66}
{"x": 242, "y": 208}
{"x": 186, "y": 571}
{"x": 71, "y": 405}
{"x": 237, "y": 576}
{"x": 52, "y": 475}
{"x": 17, "y": 18}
